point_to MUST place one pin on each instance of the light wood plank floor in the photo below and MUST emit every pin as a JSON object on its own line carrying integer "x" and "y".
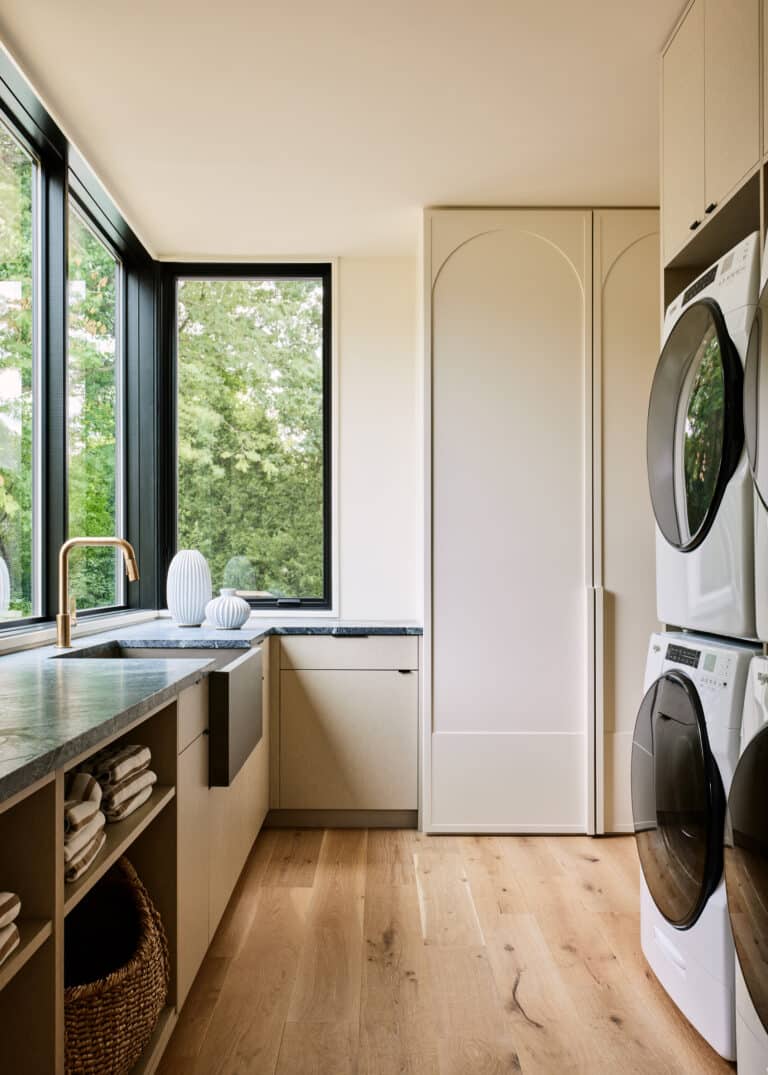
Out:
{"x": 386, "y": 953}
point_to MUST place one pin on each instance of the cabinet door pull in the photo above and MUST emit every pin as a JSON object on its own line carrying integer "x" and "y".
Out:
{"x": 711, "y": 207}
{"x": 405, "y": 671}
{"x": 694, "y": 225}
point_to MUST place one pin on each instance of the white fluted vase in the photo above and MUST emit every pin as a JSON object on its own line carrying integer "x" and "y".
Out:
{"x": 188, "y": 589}
{"x": 228, "y": 612}
{"x": 5, "y": 586}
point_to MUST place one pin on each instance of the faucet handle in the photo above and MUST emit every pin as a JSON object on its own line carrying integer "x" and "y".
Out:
{"x": 73, "y": 611}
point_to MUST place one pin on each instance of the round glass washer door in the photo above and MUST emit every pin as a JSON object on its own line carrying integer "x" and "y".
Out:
{"x": 756, "y": 401}
{"x": 678, "y": 805}
{"x": 695, "y": 430}
{"x": 746, "y": 868}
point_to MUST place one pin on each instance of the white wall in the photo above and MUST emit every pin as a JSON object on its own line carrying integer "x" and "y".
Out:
{"x": 379, "y": 469}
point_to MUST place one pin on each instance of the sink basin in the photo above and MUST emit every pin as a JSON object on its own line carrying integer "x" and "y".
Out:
{"x": 121, "y": 651}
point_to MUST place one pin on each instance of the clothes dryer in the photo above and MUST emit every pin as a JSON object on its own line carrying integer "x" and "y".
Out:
{"x": 684, "y": 750}
{"x": 698, "y": 472}
{"x": 746, "y": 875}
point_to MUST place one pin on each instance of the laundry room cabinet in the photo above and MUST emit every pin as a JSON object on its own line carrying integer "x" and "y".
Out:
{"x": 537, "y": 322}
{"x": 710, "y": 113}
{"x": 348, "y": 727}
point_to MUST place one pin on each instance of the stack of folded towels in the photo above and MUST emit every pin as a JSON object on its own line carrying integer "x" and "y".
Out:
{"x": 125, "y": 779}
{"x": 83, "y": 824}
{"x": 10, "y": 905}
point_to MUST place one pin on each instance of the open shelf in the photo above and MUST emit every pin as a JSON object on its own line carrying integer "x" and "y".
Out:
{"x": 120, "y": 836}
{"x": 32, "y": 933}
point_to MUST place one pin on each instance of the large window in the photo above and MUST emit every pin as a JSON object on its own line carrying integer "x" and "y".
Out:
{"x": 19, "y": 380}
{"x": 94, "y": 486}
{"x": 253, "y": 415}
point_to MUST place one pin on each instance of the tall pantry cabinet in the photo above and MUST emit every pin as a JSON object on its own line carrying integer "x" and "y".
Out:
{"x": 533, "y": 318}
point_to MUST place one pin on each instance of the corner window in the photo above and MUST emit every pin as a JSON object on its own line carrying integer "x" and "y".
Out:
{"x": 94, "y": 456}
{"x": 253, "y": 429}
{"x": 20, "y": 574}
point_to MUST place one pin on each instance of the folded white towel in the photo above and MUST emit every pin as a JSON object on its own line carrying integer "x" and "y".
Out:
{"x": 114, "y": 764}
{"x": 75, "y": 843}
{"x": 84, "y": 860}
{"x": 84, "y": 787}
{"x": 126, "y": 789}
{"x": 77, "y": 814}
{"x": 124, "y": 810}
{"x": 10, "y": 905}
{"x": 9, "y": 940}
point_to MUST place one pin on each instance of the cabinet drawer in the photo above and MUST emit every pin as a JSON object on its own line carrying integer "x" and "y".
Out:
{"x": 349, "y": 652}
{"x": 348, "y": 740}
{"x": 193, "y": 714}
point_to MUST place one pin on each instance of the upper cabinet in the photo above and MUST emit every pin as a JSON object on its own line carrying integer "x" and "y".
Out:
{"x": 710, "y": 113}
{"x": 682, "y": 189}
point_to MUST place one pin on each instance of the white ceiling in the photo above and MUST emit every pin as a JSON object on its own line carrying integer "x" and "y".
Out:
{"x": 243, "y": 128}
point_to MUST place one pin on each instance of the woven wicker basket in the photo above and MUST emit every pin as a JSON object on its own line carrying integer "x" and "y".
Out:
{"x": 109, "y": 1021}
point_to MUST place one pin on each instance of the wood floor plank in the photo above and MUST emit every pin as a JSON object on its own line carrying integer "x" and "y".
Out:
{"x": 398, "y": 1010}
{"x": 294, "y": 859}
{"x": 327, "y": 985}
{"x": 185, "y": 1045}
{"x": 465, "y": 993}
{"x": 390, "y": 856}
{"x": 592, "y": 874}
{"x": 681, "y": 1041}
{"x": 238, "y": 917}
{"x": 245, "y": 1032}
{"x": 462, "y": 1056}
{"x": 448, "y": 915}
{"x": 318, "y": 1049}
{"x": 541, "y": 1017}
{"x": 495, "y": 887}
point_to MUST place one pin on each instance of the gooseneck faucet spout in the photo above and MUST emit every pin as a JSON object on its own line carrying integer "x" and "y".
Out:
{"x": 67, "y": 615}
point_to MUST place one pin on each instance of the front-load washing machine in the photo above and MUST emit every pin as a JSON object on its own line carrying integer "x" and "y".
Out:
{"x": 746, "y": 875}
{"x": 756, "y": 437}
{"x": 700, "y": 484}
{"x": 684, "y": 750}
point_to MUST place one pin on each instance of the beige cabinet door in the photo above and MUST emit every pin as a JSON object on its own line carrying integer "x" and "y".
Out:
{"x": 192, "y": 797}
{"x": 626, "y": 291}
{"x": 348, "y": 740}
{"x": 731, "y": 94}
{"x": 682, "y": 172}
{"x": 506, "y": 746}
{"x": 765, "y": 76}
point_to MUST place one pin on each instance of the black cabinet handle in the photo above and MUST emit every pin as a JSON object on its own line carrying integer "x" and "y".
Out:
{"x": 711, "y": 207}
{"x": 694, "y": 225}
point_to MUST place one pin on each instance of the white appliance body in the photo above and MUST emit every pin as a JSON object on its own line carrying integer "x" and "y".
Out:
{"x": 711, "y": 588}
{"x": 751, "y": 1036}
{"x": 756, "y": 426}
{"x": 696, "y": 965}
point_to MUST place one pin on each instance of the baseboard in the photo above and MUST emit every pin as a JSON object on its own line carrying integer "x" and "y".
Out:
{"x": 341, "y": 819}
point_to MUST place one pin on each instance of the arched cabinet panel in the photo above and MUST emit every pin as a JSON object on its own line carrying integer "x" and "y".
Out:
{"x": 512, "y": 730}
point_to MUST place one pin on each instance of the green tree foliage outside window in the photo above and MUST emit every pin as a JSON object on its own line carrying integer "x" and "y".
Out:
{"x": 250, "y": 432}
{"x": 704, "y": 431}
{"x": 92, "y": 412}
{"x": 17, "y": 362}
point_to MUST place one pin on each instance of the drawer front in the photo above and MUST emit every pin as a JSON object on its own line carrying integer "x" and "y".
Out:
{"x": 348, "y": 740}
{"x": 236, "y": 693}
{"x": 192, "y": 714}
{"x": 349, "y": 652}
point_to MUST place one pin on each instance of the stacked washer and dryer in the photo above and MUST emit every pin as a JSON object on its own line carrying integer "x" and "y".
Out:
{"x": 688, "y": 735}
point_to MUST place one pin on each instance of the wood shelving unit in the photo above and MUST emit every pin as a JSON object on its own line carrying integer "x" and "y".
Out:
{"x": 120, "y": 836}
{"x": 32, "y": 865}
{"x": 33, "y": 933}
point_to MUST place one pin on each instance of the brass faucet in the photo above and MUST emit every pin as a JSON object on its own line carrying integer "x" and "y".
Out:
{"x": 67, "y": 615}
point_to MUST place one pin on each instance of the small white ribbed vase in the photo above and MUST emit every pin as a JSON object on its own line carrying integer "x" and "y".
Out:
{"x": 5, "y": 586}
{"x": 228, "y": 612}
{"x": 188, "y": 589}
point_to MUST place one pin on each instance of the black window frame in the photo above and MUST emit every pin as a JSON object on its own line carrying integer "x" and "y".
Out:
{"x": 171, "y": 272}
{"x": 63, "y": 176}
